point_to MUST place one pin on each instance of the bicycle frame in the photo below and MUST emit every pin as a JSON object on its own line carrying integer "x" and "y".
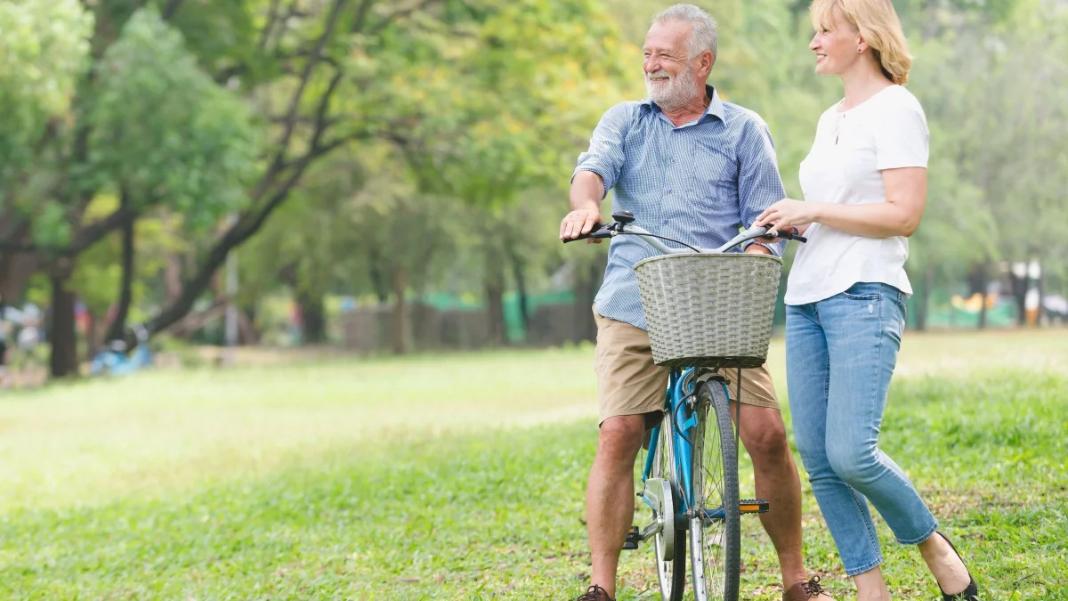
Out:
{"x": 681, "y": 387}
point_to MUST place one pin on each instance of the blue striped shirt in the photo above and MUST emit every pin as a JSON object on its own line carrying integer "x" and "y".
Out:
{"x": 697, "y": 183}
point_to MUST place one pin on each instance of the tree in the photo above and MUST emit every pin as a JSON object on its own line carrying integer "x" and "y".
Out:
{"x": 164, "y": 136}
{"x": 43, "y": 53}
{"x": 1001, "y": 198}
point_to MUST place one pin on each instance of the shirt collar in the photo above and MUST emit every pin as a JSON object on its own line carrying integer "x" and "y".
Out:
{"x": 715, "y": 107}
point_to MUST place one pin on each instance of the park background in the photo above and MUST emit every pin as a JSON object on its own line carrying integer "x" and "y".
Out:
{"x": 332, "y": 224}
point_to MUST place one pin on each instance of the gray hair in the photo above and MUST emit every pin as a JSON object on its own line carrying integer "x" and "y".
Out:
{"x": 702, "y": 36}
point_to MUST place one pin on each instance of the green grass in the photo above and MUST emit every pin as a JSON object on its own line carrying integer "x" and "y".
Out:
{"x": 461, "y": 477}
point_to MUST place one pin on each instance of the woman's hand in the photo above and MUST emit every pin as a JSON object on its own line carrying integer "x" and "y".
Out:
{"x": 788, "y": 213}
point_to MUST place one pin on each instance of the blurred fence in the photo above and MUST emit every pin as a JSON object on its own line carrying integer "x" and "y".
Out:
{"x": 370, "y": 328}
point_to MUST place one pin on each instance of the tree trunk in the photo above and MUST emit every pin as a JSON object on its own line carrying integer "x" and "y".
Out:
{"x": 314, "y": 318}
{"x": 587, "y": 282}
{"x": 172, "y": 278}
{"x": 984, "y": 285}
{"x": 61, "y": 334}
{"x": 399, "y": 332}
{"x": 16, "y": 268}
{"x": 495, "y": 313}
{"x": 117, "y": 329}
{"x": 250, "y": 334}
{"x": 1018, "y": 280}
{"x": 520, "y": 277}
{"x": 923, "y": 300}
{"x": 494, "y": 290}
{"x": 378, "y": 277}
{"x": 1041, "y": 290}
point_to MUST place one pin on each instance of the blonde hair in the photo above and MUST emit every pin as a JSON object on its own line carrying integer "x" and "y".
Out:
{"x": 880, "y": 27}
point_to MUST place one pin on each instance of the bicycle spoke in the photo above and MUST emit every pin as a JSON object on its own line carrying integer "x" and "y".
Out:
{"x": 714, "y": 531}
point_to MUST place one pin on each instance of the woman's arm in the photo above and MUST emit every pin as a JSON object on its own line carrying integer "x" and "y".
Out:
{"x": 899, "y": 215}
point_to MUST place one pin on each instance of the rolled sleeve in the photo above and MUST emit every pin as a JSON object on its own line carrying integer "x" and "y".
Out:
{"x": 605, "y": 154}
{"x": 759, "y": 183}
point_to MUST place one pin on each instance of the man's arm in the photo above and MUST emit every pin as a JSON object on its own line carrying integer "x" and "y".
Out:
{"x": 759, "y": 183}
{"x": 587, "y": 190}
{"x": 596, "y": 172}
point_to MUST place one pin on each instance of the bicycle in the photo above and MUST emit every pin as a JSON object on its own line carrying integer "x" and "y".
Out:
{"x": 690, "y": 471}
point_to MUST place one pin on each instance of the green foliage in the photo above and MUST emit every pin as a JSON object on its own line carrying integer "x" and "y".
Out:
{"x": 43, "y": 50}
{"x": 163, "y": 131}
{"x": 998, "y": 119}
{"x": 223, "y": 35}
{"x": 499, "y": 109}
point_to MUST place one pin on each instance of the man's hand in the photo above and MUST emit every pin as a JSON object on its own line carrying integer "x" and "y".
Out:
{"x": 580, "y": 221}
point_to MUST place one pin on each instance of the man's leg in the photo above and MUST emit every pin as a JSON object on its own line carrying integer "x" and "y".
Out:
{"x": 764, "y": 437}
{"x": 610, "y": 495}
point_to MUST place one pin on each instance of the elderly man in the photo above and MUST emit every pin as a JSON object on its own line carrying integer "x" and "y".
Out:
{"x": 694, "y": 168}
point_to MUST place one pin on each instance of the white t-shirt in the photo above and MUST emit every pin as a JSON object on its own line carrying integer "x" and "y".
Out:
{"x": 886, "y": 131}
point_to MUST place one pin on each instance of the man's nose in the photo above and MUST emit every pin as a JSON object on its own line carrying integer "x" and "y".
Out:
{"x": 814, "y": 42}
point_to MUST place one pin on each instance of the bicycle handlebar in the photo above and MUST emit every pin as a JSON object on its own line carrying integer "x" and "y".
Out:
{"x": 622, "y": 225}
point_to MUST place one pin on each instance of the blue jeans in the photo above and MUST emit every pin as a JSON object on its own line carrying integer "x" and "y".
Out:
{"x": 840, "y": 354}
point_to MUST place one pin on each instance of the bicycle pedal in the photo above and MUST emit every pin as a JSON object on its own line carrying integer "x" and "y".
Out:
{"x": 633, "y": 538}
{"x": 753, "y": 506}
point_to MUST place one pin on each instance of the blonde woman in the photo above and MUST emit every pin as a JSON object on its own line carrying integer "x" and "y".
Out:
{"x": 865, "y": 185}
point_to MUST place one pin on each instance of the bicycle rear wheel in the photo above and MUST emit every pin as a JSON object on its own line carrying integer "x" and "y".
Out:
{"x": 715, "y": 538}
{"x": 670, "y": 554}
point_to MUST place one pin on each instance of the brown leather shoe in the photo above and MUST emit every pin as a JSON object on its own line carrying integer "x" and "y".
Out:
{"x": 595, "y": 593}
{"x": 803, "y": 591}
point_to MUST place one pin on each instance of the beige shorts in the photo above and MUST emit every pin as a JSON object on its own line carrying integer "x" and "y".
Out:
{"x": 629, "y": 383}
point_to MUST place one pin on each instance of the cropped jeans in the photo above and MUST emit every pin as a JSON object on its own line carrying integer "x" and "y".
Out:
{"x": 840, "y": 354}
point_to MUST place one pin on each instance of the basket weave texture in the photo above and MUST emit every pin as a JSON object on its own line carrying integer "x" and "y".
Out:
{"x": 712, "y": 310}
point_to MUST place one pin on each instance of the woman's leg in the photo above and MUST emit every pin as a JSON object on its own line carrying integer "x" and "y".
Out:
{"x": 945, "y": 564}
{"x": 808, "y": 370}
{"x": 863, "y": 327}
{"x": 871, "y": 586}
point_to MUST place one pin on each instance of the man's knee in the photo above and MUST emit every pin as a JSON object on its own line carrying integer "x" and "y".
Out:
{"x": 764, "y": 434}
{"x": 621, "y": 436}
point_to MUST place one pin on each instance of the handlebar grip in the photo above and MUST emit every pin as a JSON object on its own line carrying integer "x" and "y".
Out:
{"x": 601, "y": 231}
{"x": 788, "y": 235}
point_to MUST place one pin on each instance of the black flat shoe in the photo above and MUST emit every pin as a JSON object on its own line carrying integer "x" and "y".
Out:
{"x": 971, "y": 592}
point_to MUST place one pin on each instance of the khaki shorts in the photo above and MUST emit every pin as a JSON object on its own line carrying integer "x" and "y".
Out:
{"x": 629, "y": 383}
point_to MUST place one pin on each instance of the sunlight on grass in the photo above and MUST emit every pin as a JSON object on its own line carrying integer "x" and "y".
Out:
{"x": 80, "y": 443}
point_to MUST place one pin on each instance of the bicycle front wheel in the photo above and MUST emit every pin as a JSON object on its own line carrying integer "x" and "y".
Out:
{"x": 669, "y": 543}
{"x": 715, "y": 539}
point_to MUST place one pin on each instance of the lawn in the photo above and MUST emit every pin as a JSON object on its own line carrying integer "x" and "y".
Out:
{"x": 461, "y": 477}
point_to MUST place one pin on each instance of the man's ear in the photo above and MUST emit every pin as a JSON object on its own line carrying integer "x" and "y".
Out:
{"x": 708, "y": 60}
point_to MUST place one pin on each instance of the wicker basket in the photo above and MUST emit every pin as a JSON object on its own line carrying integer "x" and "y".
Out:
{"x": 711, "y": 310}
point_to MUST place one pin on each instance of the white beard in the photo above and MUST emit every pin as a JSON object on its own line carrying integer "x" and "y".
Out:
{"x": 675, "y": 93}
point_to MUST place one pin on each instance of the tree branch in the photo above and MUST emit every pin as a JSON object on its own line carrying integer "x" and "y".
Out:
{"x": 305, "y": 78}
{"x": 170, "y": 8}
{"x": 401, "y": 13}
